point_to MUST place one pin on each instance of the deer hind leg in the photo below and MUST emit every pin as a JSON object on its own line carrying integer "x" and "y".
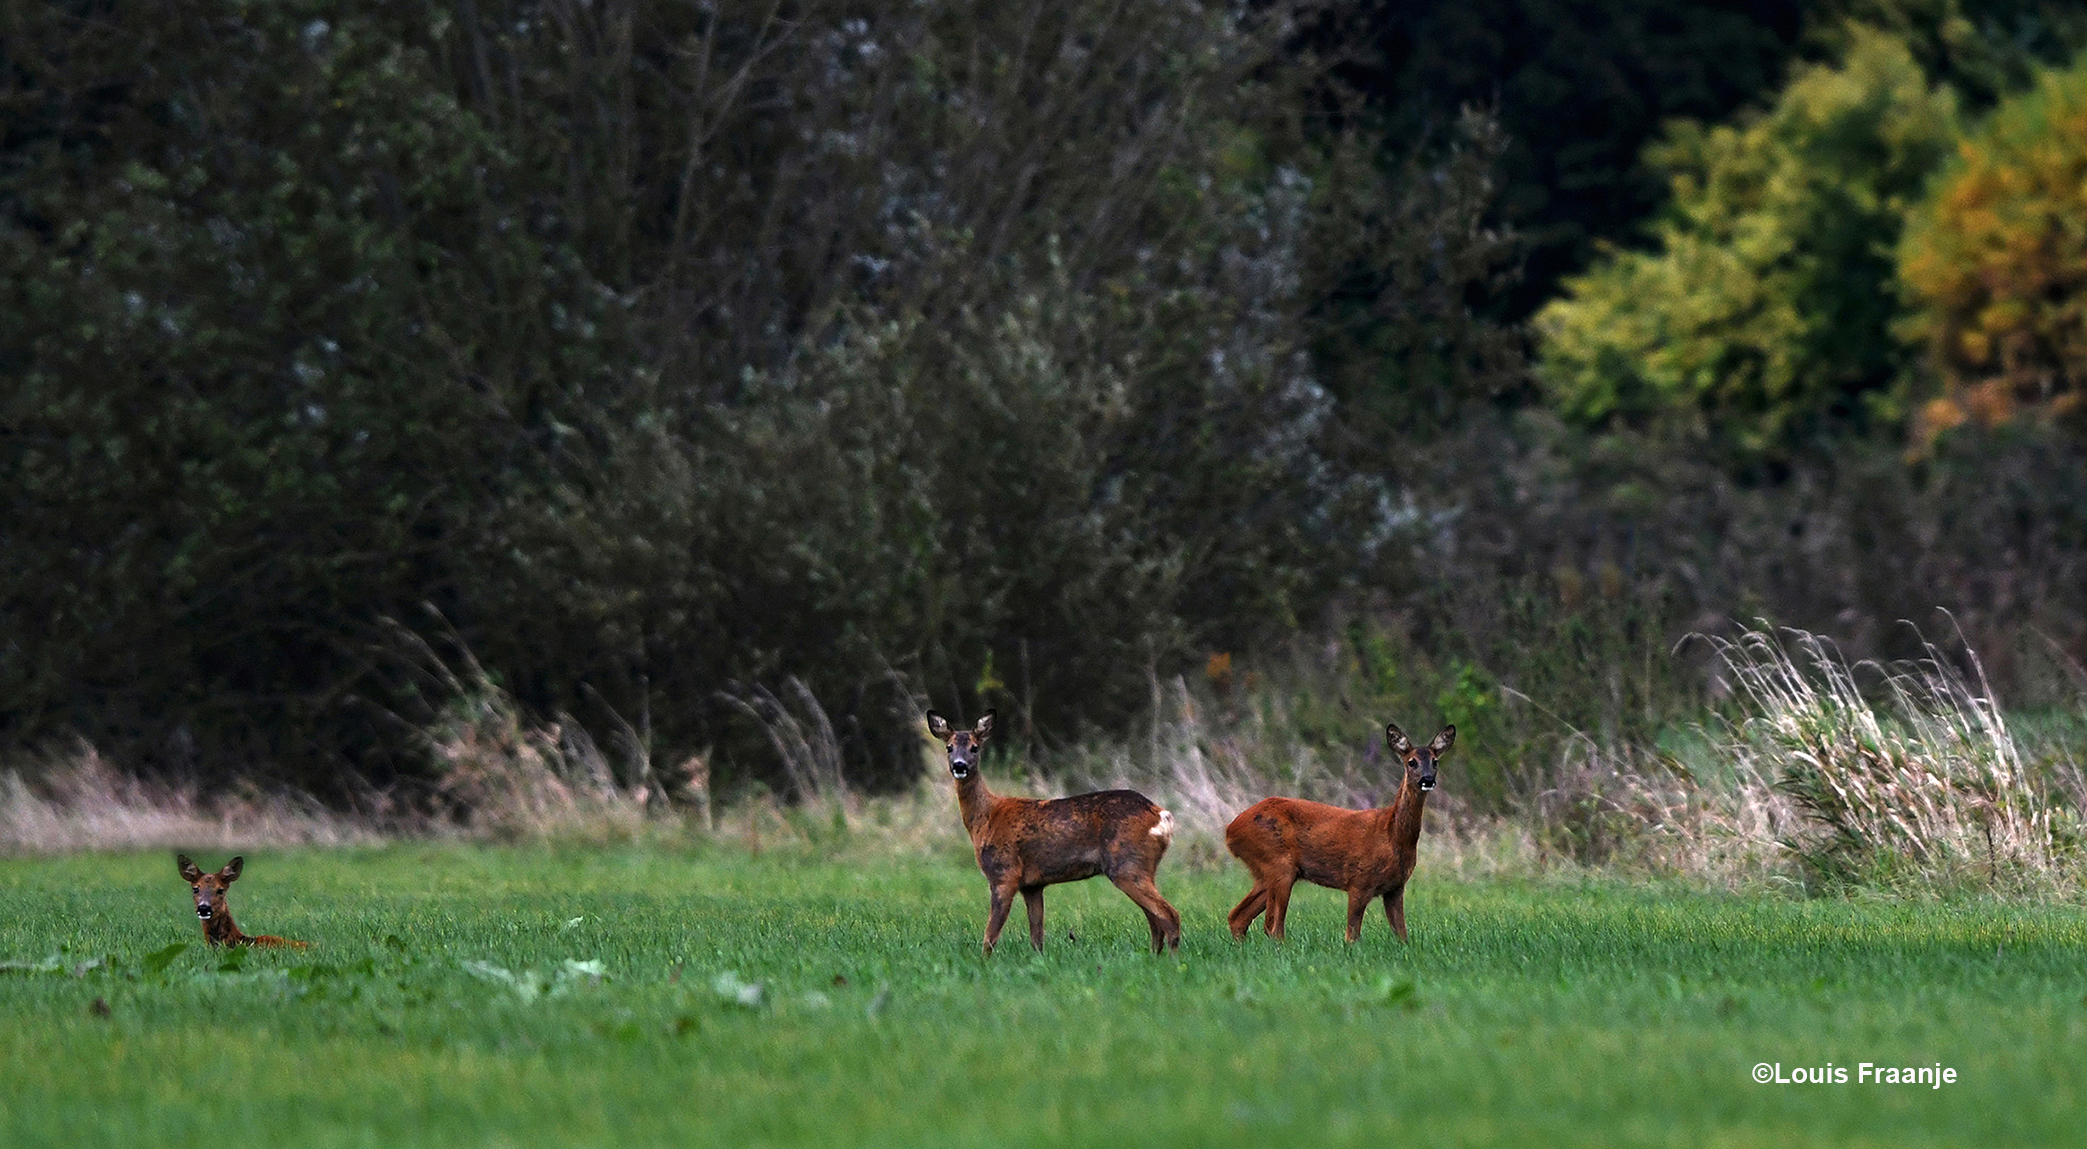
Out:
{"x": 1033, "y": 896}
{"x": 1278, "y": 905}
{"x": 1358, "y": 903}
{"x": 1161, "y": 917}
{"x": 1003, "y": 901}
{"x": 1395, "y": 911}
{"x": 1249, "y": 908}
{"x": 1170, "y": 926}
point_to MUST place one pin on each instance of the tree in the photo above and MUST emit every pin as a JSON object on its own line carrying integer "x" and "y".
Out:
{"x": 1763, "y": 315}
{"x": 665, "y": 347}
{"x": 1995, "y": 262}
{"x": 1578, "y": 89}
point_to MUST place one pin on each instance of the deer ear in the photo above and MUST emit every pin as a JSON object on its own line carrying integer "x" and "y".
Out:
{"x": 231, "y": 871}
{"x": 1443, "y": 741}
{"x": 938, "y": 726}
{"x": 189, "y": 872}
{"x": 984, "y": 729}
{"x": 1397, "y": 740}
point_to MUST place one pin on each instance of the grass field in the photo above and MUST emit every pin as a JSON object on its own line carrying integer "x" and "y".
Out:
{"x": 475, "y": 996}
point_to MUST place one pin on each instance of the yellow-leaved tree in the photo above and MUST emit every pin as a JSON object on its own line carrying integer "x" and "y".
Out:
{"x": 1994, "y": 260}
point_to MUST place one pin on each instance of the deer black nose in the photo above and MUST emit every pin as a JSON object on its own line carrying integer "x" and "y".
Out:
{"x": 203, "y": 910}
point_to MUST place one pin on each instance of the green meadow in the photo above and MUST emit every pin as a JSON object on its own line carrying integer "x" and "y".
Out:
{"x": 463, "y": 995}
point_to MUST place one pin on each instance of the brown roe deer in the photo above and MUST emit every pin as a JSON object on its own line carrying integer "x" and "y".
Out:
{"x": 1368, "y": 853}
{"x": 218, "y": 927}
{"x": 1025, "y": 844}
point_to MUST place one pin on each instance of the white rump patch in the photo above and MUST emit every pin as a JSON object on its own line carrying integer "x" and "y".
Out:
{"x": 1164, "y": 830}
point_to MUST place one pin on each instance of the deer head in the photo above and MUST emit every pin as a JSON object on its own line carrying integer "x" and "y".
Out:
{"x": 1420, "y": 761}
{"x": 963, "y": 745}
{"x": 210, "y": 888}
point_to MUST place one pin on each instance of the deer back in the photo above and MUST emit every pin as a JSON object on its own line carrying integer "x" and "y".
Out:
{"x": 1317, "y": 841}
{"x": 1050, "y": 840}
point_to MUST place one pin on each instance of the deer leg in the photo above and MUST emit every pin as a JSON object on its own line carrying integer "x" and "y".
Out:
{"x": 1358, "y": 902}
{"x": 1003, "y": 901}
{"x": 1278, "y": 905}
{"x": 1249, "y": 908}
{"x": 1033, "y": 895}
{"x": 1165, "y": 923}
{"x": 1395, "y": 911}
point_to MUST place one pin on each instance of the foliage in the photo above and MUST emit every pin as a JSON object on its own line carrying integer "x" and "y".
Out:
{"x": 1578, "y": 90}
{"x": 1401, "y": 339}
{"x": 1581, "y": 89}
{"x": 283, "y": 323}
{"x": 1763, "y": 317}
{"x": 1996, "y": 263}
{"x": 667, "y": 351}
{"x": 1981, "y": 49}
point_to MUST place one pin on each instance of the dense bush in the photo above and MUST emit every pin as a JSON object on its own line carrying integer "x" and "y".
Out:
{"x": 285, "y": 324}
{"x": 661, "y": 347}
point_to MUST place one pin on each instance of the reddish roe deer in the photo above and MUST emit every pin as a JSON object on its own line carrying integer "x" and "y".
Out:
{"x": 1368, "y": 853}
{"x": 218, "y": 927}
{"x": 1025, "y": 844}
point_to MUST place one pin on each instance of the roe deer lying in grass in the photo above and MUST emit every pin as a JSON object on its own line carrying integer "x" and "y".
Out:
{"x": 218, "y": 927}
{"x": 1368, "y": 853}
{"x": 1026, "y": 844}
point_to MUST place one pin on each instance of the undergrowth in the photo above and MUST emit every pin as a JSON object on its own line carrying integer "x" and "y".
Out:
{"x": 1797, "y": 770}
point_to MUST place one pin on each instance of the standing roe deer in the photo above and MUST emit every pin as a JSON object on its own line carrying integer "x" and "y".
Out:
{"x": 1026, "y": 844}
{"x": 218, "y": 927}
{"x": 1368, "y": 853}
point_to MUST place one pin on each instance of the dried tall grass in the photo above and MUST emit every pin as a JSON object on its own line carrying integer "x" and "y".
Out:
{"x": 1829, "y": 775}
{"x": 506, "y": 778}
{"x": 1207, "y": 769}
{"x": 1916, "y": 782}
{"x": 802, "y": 737}
{"x": 1916, "y": 785}
{"x": 80, "y": 801}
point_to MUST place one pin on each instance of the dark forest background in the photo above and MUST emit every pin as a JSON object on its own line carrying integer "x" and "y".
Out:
{"x": 648, "y": 354}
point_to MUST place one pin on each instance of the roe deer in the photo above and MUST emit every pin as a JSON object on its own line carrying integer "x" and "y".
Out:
{"x": 1025, "y": 844}
{"x": 1368, "y": 853}
{"x": 218, "y": 927}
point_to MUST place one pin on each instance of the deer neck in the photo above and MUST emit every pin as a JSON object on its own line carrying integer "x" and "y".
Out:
{"x": 975, "y": 802}
{"x": 1406, "y": 812}
{"x": 221, "y": 930}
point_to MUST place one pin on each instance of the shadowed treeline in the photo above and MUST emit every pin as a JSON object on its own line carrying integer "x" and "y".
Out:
{"x": 547, "y": 366}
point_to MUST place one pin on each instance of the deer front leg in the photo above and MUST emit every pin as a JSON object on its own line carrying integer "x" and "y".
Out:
{"x": 1395, "y": 911}
{"x": 1033, "y": 895}
{"x": 1358, "y": 902}
{"x": 1003, "y": 901}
